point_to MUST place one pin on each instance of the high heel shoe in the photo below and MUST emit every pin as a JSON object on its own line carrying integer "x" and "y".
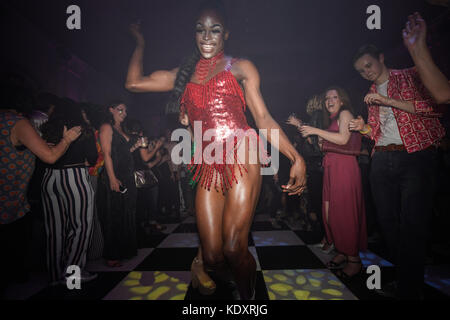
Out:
{"x": 345, "y": 276}
{"x": 200, "y": 279}
{"x": 336, "y": 264}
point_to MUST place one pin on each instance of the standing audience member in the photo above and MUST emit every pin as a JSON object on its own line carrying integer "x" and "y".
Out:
{"x": 168, "y": 200}
{"x": 67, "y": 194}
{"x": 174, "y": 180}
{"x": 313, "y": 157}
{"x": 343, "y": 200}
{"x": 404, "y": 124}
{"x": 154, "y": 216}
{"x": 19, "y": 144}
{"x": 93, "y": 114}
{"x": 116, "y": 200}
{"x": 135, "y": 131}
{"x": 141, "y": 156}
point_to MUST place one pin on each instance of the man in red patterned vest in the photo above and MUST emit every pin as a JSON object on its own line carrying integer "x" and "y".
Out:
{"x": 404, "y": 123}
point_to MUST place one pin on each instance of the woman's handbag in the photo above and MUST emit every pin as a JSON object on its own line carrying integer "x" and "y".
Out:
{"x": 145, "y": 178}
{"x": 352, "y": 147}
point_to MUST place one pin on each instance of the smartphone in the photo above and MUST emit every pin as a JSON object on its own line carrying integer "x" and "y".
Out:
{"x": 123, "y": 189}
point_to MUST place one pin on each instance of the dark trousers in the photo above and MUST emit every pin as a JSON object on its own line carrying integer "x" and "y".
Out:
{"x": 371, "y": 216}
{"x": 403, "y": 186}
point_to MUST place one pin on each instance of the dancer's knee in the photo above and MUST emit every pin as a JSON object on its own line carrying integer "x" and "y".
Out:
{"x": 235, "y": 250}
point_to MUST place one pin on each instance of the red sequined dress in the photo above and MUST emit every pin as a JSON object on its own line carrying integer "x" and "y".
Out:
{"x": 219, "y": 105}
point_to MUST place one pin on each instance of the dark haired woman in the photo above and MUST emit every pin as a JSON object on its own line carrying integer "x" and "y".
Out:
{"x": 343, "y": 202}
{"x": 313, "y": 157}
{"x": 116, "y": 193}
{"x": 207, "y": 86}
{"x": 20, "y": 144}
{"x": 144, "y": 210}
{"x": 67, "y": 194}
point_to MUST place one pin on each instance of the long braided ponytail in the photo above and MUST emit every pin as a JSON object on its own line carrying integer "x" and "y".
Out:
{"x": 184, "y": 75}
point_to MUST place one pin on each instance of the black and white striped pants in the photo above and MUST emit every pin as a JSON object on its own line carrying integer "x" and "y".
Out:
{"x": 68, "y": 201}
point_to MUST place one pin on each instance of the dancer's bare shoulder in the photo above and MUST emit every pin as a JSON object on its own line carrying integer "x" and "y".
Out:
{"x": 244, "y": 70}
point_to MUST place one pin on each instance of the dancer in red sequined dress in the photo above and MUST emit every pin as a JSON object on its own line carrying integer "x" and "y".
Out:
{"x": 207, "y": 87}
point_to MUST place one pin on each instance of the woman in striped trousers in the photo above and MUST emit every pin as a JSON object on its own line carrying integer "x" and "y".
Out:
{"x": 68, "y": 196}
{"x": 68, "y": 199}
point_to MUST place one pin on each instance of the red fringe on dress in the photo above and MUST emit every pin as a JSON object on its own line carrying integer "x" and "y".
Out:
{"x": 219, "y": 105}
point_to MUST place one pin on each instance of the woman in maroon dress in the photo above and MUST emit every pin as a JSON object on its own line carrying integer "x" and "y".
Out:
{"x": 207, "y": 86}
{"x": 343, "y": 203}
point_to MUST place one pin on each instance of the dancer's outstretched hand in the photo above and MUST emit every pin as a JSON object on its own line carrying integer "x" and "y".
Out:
{"x": 297, "y": 178}
{"x": 415, "y": 32}
{"x": 135, "y": 29}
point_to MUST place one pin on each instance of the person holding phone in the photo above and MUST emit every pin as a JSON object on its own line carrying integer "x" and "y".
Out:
{"x": 116, "y": 193}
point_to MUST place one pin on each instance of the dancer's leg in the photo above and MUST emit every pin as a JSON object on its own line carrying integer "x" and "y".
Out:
{"x": 209, "y": 210}
{"x": 240, "y": 205}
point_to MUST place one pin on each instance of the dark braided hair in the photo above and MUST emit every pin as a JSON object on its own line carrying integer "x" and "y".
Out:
{"x": 187, "y": 67}
{"x": 184, "y": 75}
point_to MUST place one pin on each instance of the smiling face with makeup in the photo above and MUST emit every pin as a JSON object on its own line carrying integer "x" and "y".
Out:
{"x": 210, "y": 33}
{"x": 333, "y": 101}
{"x": 119, "y": 113}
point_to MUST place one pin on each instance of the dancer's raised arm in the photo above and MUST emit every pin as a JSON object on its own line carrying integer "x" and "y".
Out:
{"x": 414, "y": 38}
{"x": 158, "y": 81}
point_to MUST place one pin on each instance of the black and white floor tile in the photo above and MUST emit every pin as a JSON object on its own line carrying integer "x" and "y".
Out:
{"x": 289, "y": 267}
